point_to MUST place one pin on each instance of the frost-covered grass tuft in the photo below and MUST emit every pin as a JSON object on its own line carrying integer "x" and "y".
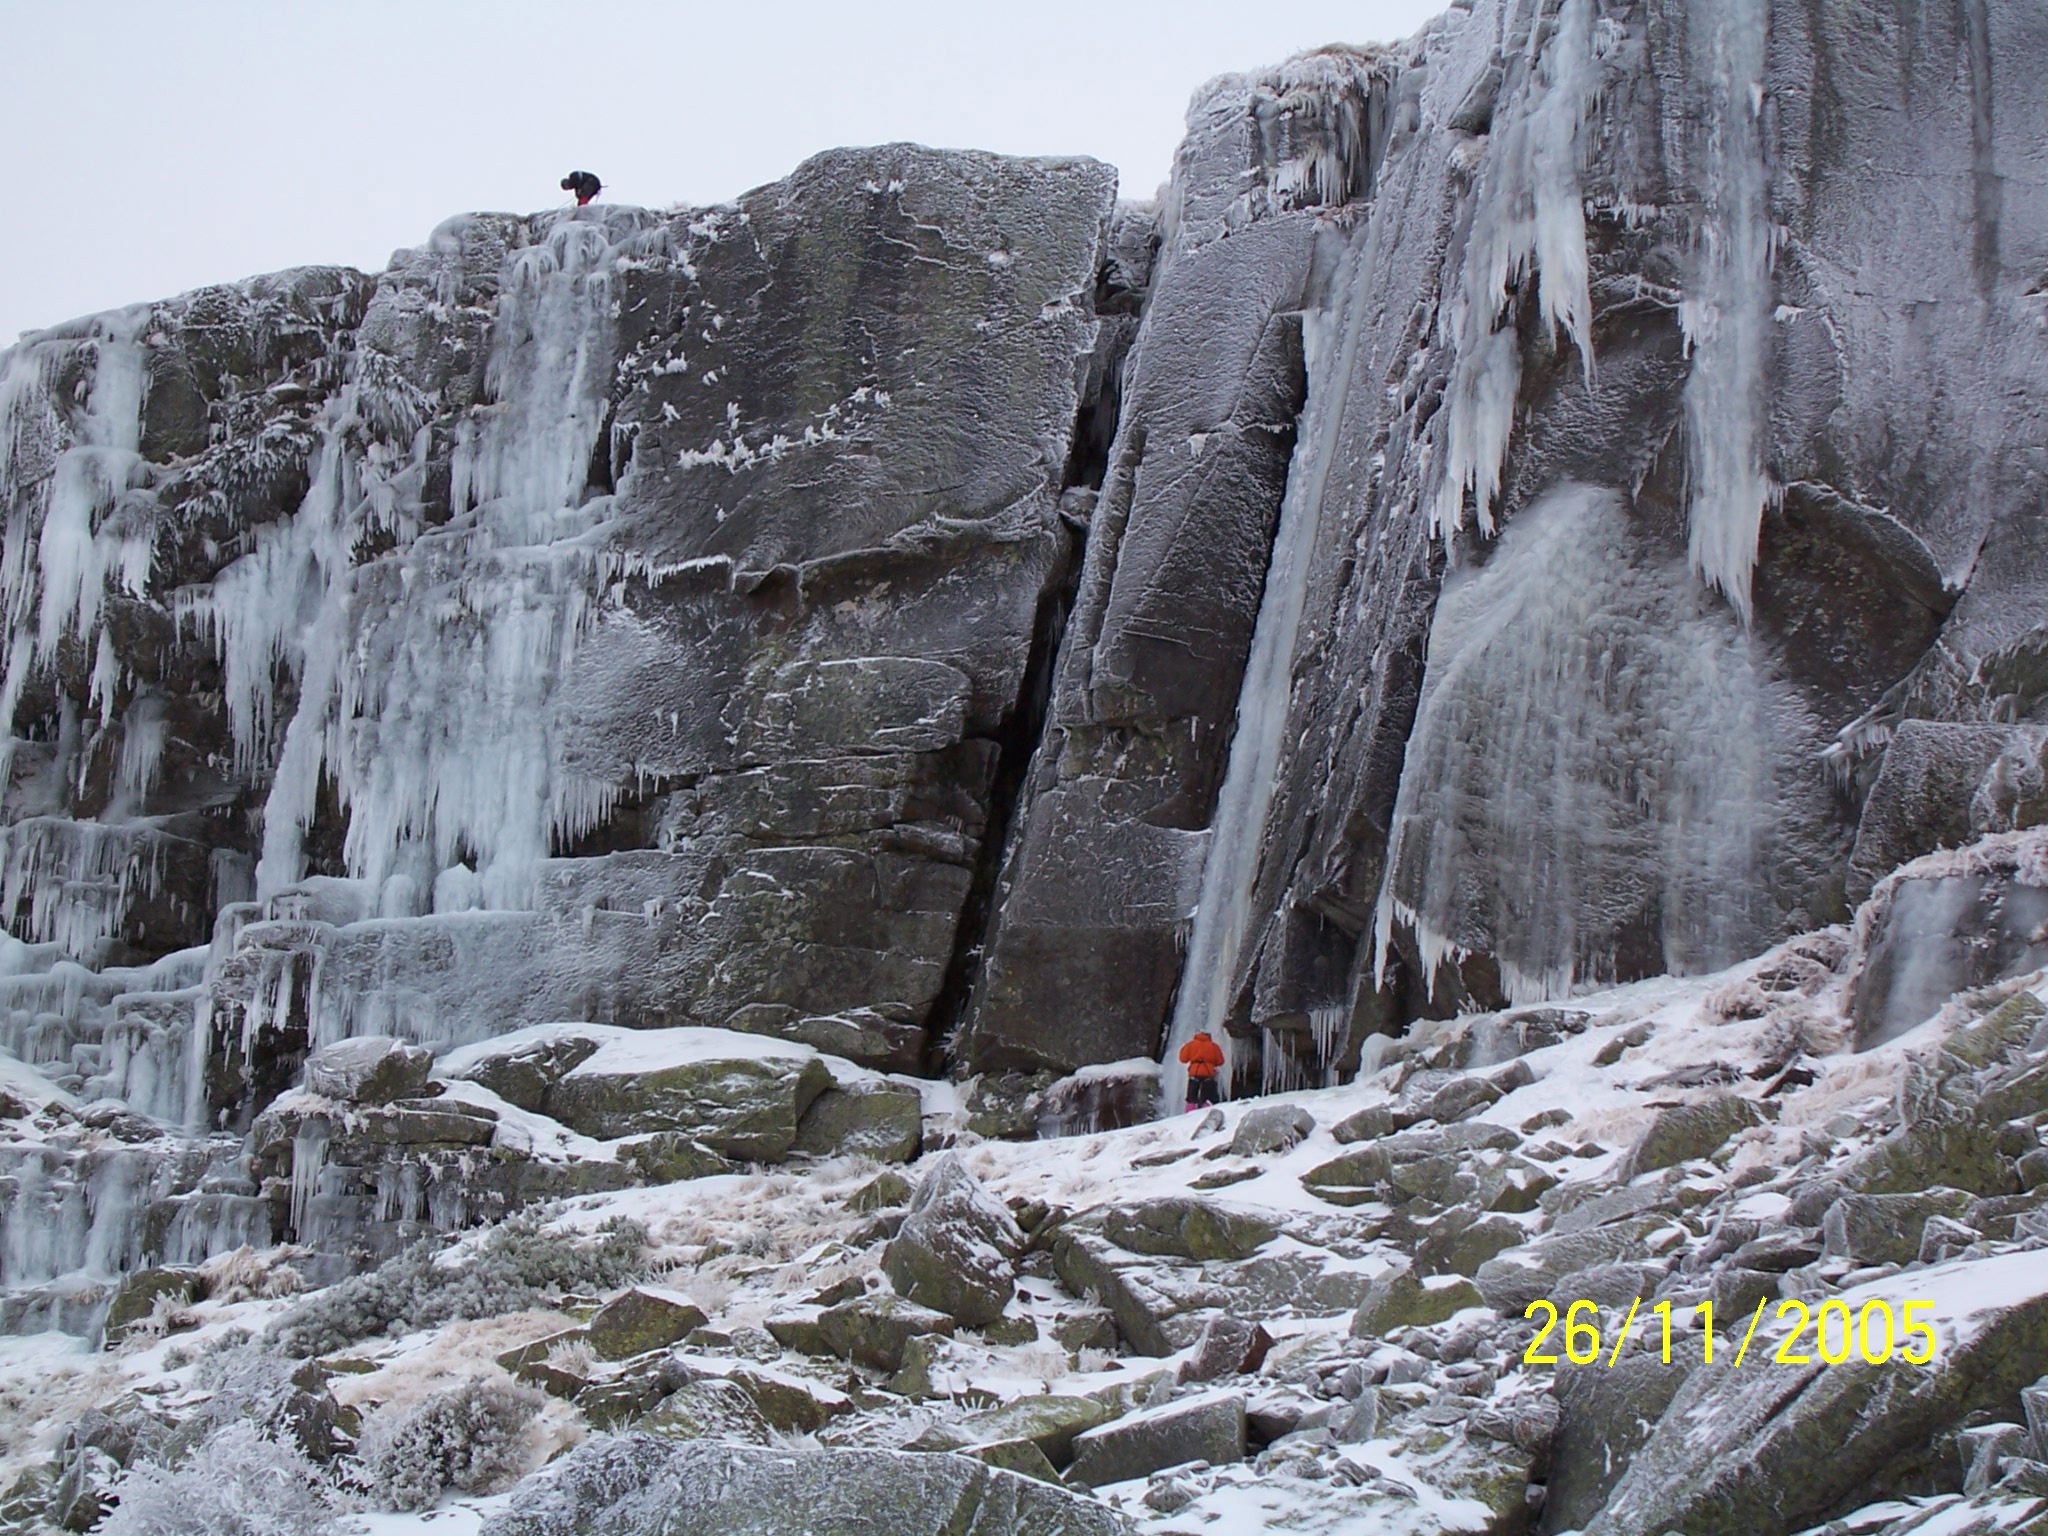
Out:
{"x": 239, "y": 1482}
{"x": 510, "y": 1270}
{"x": 462, "y": 1439}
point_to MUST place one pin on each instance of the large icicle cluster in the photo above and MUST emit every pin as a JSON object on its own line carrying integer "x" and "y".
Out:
{"x": 80, "y": 525}
{"x": 428, "y": 677}
{"x": 1527, "y": 217}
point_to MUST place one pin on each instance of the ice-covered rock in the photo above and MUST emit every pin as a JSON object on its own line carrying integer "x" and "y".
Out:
{"x": 1271, "y": 1128}
{"x": 742, "y": 1097}
{"x": 638, "y": 1486}
{"x": 1209, "y": 1428}
{"x": 642, "y": 1319}
{"x": 957, "y": 1247}
{"x": 1773, "y": 1448}
{"x": 879, "y": 1120}
{"x": 371, "y": 1069}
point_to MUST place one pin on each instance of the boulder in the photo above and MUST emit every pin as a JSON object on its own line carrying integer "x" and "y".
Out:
{"x": 136, "y": 1298}
{"x": 743, "y": 1106}
{"x": 1403, "y": 1298}
{"x": 524, "y": 1074}
{"x": 1085, "y": 1327}
{"x": 798, "y": 1328}
{"x": 1514, "y": 1186}
{"x": 1184, "y": 1227}
{"x": 1271, "y": 1128}
{"x": 1376, "y": 1121}
{"x": 1149, "y": 1319}
{"x": 875, "y": 1330}
{"x": 1350, "y": 1177}
{"x": 1735, "y": 1291}
{"x": 879, "y": 1038}
{"x": 1786, "y": 1248}
{"x": 1689, "y": 1131}
{"x": 1019, "y": 1456}
{"x": 2015, "y": 1094}
{"x": 1886, "y": 1229}
{"x": 1228, "y": 1346}
{"x": 642, "y": 1319}
{"x": 1004, "y": 1106}
{"x": 1954, "y": 1154}
{"x": 1457, "y": 1244}
{"x": 1771, "y": 1448}
{"x": 1606, "y": 1413}
{"x": 956, "y": 1248}
{"x": 1458, "y": 1098}
{"x": 2000, "y": 1035}
{"x": 884, "y": 1191}
{"x": 1597, "y": 1210}
{"x": 1049, "y": 1422}
{"x": 370, "y": 1069}
{"x": 619, "y": 1398}
{"x": 883, "y": 1121}
{"x": 1614, "y": 1287}
{"x": 1535, "y": 1271}
{"x": 787, "y": 1402}
{"x": 1209, "y": 1428}
{"x": 640, "y": 1485}
{"x": 529, "y": 1362}
{"x": 668, "y": 1157}
{"x": 710, "y": 1409}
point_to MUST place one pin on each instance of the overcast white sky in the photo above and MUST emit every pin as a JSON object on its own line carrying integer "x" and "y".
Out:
{"x": 156, "y": 145}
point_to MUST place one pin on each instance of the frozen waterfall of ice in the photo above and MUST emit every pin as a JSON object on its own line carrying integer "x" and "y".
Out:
{"x": 80, "y": 524}
{"x": 1222, "y": 912}
{"x": 1727, "y": 308}
{"x": 1592, "y": 757}
{"x": 429, "y": 676}
{"x": 1528, "y": 218}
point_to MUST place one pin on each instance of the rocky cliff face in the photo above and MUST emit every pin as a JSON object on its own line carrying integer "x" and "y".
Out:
{"x": 606, "y": 616}
{"x": 1620, "y": 525}
{"x": 622, "y": 696}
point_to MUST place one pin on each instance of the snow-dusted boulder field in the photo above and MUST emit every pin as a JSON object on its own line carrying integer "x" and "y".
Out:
{"x": 609, "y": 835}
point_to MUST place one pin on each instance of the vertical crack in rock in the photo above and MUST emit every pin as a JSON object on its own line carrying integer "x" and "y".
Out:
{"x": 1088, "y": 943}
{"x": 1119, "y": 304}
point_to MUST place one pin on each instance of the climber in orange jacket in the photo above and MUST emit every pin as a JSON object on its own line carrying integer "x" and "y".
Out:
{"x": 1202, "y": 1056}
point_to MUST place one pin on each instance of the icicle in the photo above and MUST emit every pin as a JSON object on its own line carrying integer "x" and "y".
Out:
{"x": 309, "y": 1162}
{"x": 1328, "y": 1025}
{"x": 145, "y": 729}
{"x": 1528, "y": 214}
{"x": 71, "y": 883}
{"x": 1727, "y": 309}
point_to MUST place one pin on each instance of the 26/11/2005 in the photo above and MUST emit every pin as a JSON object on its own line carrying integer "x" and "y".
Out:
{"x": 1875, "y": 1332}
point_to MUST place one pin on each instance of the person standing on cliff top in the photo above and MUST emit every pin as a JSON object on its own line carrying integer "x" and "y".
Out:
{"x": 583, "y": 184}
{"x": 1202, "y": 1056}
